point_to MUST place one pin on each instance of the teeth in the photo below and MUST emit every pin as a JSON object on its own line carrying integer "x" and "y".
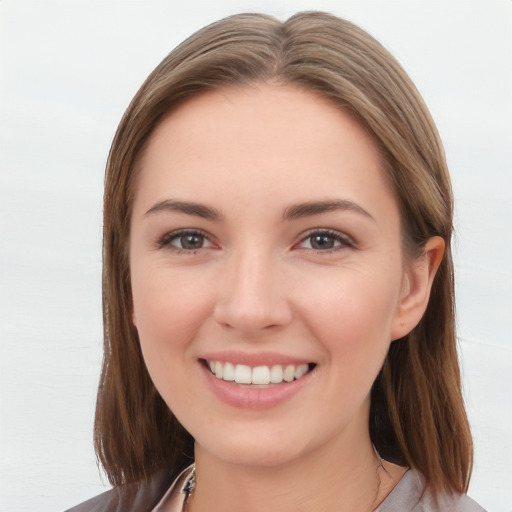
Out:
{"x": 229, "y": 372}
{"x": 289, "y": 373}
{"x": 261, "y": 375}
{"x": 301, "y": 370}
{"x": 276, "y": 374}
{"x": 243, "y": 374}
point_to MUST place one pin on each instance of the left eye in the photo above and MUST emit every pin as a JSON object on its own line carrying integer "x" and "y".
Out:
{"x": 324, "y": 241}
{"x": 186, "y": 241}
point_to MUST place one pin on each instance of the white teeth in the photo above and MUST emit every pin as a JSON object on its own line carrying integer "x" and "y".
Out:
{"x": 229, "y": 372}
{"x": 301, "y": 370}
{"x": 259, "y": 375}
{"x": 243, "y": 374}
{"x": 218, "y": 370}
{"x": 289, "y": 373}
{"x": 276, "y": 374}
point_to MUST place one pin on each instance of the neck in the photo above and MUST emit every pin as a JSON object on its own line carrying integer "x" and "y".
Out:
{"x": 354, "y": 480}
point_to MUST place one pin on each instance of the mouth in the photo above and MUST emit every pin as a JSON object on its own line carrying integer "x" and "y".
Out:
{"x": 257, "y": 376}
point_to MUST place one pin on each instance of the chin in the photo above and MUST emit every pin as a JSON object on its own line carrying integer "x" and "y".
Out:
{"x": 257, "y": 451}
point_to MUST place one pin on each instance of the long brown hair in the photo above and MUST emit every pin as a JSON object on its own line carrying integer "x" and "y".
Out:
{"x": 417, "y": 412}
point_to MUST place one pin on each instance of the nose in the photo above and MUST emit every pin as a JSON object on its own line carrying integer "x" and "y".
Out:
{"x": 252, "y": 297}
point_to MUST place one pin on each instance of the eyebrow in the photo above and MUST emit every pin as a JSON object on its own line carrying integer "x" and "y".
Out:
{"x": 188, "y": 208}
{"x": 308, "y": 209}
{"x": 292, "y": 212}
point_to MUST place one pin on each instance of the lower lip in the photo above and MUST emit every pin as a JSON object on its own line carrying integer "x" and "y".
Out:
{"x": 255, "y": 399}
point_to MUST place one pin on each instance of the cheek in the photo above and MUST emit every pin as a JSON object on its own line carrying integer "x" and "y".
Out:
{"x": 165, "y": 301}
{"x": 168, "y": 312}
{"x": 352, "y": 316}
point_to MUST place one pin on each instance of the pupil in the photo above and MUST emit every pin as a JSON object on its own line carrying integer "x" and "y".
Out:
{"x": 322, "y": 242}
{"x": 191, "y": 242}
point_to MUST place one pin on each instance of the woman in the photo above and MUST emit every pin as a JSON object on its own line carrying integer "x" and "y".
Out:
{"x": 278, "y": 282}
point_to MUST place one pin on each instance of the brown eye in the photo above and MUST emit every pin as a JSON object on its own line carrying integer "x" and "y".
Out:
{"x": 322, "y": 242}
{"x": 185, "y": 241}
{"x": 189, "y": 242}
{"x": 325, "y": 241}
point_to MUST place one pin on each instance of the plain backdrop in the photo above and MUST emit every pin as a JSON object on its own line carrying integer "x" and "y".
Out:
{"x": 67, "y": 72}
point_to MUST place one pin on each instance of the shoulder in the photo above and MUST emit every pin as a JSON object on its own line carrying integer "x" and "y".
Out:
{"x": 410, "y": 495}
{"x": 137, "y": 497}
{"x": 448, "y": 503}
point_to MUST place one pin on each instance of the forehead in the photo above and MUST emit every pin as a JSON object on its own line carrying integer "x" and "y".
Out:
{"x": 254, "y": 141}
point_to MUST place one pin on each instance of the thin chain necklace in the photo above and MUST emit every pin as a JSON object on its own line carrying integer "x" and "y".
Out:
{"x": 190, "y": 483}
{"x": 189, "y": 487}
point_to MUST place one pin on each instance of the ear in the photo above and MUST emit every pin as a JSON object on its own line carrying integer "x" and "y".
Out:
{"x": 416, "y": 286}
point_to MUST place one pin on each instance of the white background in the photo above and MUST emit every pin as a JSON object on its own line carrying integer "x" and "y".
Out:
{"x": 67, "y": 72}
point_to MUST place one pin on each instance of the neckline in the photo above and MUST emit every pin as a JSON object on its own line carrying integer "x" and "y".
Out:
{"x": 174, "y": 500}
{"x": 176, "y": 496}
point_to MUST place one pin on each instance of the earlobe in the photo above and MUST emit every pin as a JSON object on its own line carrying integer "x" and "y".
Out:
{"x": 416, "y": 287}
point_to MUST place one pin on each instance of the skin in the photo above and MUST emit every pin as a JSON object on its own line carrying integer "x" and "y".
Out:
{"x": 257, "y": 283}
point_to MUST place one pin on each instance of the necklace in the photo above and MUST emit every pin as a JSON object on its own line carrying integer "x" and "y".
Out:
{"x": 190, "y": 483}
{"x": 380, "y": 466}
{"x": 189, "y": 486}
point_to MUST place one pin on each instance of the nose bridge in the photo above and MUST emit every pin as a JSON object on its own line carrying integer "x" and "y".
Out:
{"x": 251, "y": 295}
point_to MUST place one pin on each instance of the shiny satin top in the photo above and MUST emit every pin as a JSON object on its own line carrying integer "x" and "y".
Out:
{"x": 160, "y": 494}
{"x": 407, "y": 496}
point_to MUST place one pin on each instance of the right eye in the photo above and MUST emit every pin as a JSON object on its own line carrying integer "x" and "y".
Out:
{"x": 185, "y": 241}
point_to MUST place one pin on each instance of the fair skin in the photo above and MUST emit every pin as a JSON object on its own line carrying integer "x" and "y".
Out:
{"x": 264, "y": 235}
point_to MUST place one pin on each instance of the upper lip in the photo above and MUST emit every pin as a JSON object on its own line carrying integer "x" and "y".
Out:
{"x": 256, "y": 359}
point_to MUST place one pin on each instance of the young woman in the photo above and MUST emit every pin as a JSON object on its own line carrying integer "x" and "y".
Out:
{"x": 278, "y": 283}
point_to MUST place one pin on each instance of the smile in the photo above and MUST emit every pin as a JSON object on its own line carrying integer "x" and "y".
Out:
{"x": 245, "y": 382}
{"x": 258, "y": 375}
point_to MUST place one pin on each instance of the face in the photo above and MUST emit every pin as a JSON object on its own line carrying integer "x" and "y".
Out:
{"x": 267, "y": 272}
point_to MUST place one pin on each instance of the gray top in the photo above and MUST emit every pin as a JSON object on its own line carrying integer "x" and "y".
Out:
{"x": 409, "y": 495}
{"x": 160, "y": 494}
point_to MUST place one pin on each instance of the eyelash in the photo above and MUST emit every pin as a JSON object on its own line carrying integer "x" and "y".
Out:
{"x": 343, "y": 241}
{"x": 167, "y": 239}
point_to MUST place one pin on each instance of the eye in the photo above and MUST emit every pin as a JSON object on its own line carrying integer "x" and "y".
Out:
{"x": 185, "y": 241}
{"x": 325, "y": 240}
